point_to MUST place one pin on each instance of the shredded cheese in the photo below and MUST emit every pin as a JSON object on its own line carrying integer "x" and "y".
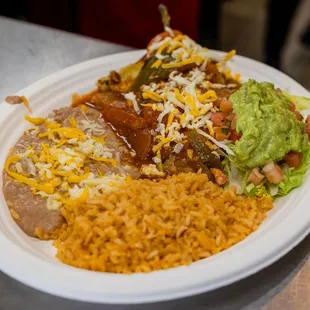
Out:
{"x": 196, "y": 59}
{"x": 209, "y": 96}
{"x": 34, "y": 120}
{"x": 72, "y": 121}
{"x": 151, "y": 95}
{"x": 157, "y": 63}
{"x": 170, "y": 120}
{"x": 163, "y": 142}
{"x": 151, "y": 170}
{"x": 230, "y": 55}
{"x": 50, "y": 168}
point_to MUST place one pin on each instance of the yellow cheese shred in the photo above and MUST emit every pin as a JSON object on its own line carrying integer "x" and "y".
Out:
{"x": 163, "y": 47}
{"x": 72, "y": 121}
{"x": 196, "y": 59}
{"x": 209, "y": 144}
{"x": 209, "y": 96}
{"x": 151, "y": 95}
{"x": 237, "y": 77}
{"x": 179, "y": 37}
{"x": 211, "y": 130}
{"x": 161, "y": 143}
{"x": 99, "y": 139}
{"x": 227, "y": 74}
{"x": 230, "y": 55}
{"x": 46, "y": 154}
{"x": 160, "y": 164}
{"x": 169, "y": 122}
{"x": 84, "y": 196}
{"x": 34, "y": 120}
{"x": 174, "y": 46}
{"x": 111, "y": 161}
{"x": 151, "y": 105}
{"x": 61, "y": 142}
{"x": 51, "y": 125}
{"x": 179, "y": 96}
{"x": 84, "y": 107}
{"x": 77, "y": 178}
{"x": 157, "y": 63}
{"x": 191, "y": 102}
{"x": 183, "y": 118}
{"x": 63, "y": 173}
{"x": 64, "y": 132}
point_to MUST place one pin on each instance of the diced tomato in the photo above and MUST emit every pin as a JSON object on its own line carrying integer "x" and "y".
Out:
{"x": 293, "y": 109}
{"x": 256, "y": 177}
{"x": 274, "y": 175}
{"x": 219, "y": 176}
{"x": 298, "y": 115}
{"x": 216, "y": 75}
{"x": 233, "y": 122}
{"x": 293, "y": 159}
{"x": 235, "y": 136}
{"x": 221, "y": 133}
{"x": 226, "y": 106}
{"x": 307, "y": 127}
{"x": 229, "y": 117}
{"x": 218, "y": 119}
{"x": 217, "y": 103}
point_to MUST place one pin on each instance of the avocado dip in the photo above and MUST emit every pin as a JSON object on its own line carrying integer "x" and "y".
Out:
{"x": 269, "y": 129}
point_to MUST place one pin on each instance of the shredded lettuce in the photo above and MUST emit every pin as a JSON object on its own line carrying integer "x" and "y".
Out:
{"x": 245, "y": 181}
{"x": 301, "y": 103}
{"x": 260, "y": 191}
{"x": 294, "y": 177}
{"x": 227, "y": 166}
{"x": 234, "y": 175}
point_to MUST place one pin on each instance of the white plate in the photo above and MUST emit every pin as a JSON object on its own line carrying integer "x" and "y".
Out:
{"x": 32, "y": 261}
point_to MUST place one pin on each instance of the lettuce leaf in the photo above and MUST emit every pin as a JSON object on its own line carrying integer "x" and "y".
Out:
{"x": 260, "y": 191}
{"x": 294, "y": 177}
{"x": 301, "y": 103}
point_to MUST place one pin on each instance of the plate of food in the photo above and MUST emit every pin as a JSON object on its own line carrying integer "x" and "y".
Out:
{"x": 152, "y": 175}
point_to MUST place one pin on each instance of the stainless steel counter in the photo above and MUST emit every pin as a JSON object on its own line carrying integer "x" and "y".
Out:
{"x": 29, "y": 53}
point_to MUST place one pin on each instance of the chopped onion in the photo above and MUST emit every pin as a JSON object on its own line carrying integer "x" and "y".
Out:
{"x": 178, "y": 148}
{"x": 250, "y": 187}
{"x": 268, "y": 167}
{"x": 30, "y": 165}
{"x": 234, "y": 171}
{"x": 257, "y": 173}
{"x": 273, "y": 190}
{"x": 203, "y": 66}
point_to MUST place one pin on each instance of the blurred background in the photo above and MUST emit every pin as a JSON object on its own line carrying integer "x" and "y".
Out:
{"x": 276, "y": 32}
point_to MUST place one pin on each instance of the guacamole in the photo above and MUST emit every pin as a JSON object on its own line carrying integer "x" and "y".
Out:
{"x": 269, "y": 129}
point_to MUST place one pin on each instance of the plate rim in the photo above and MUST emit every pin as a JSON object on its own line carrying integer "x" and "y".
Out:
{"x": 145, "y": 298}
